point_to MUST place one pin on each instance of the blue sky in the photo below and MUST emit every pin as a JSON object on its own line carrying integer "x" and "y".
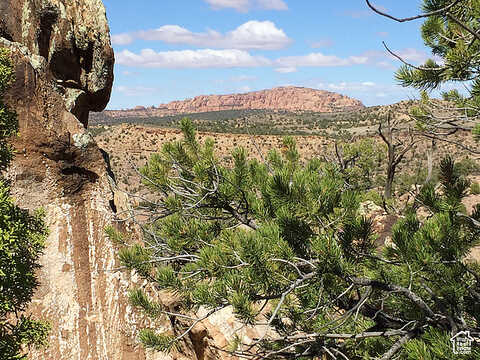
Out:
{"x": 172, "y": 50}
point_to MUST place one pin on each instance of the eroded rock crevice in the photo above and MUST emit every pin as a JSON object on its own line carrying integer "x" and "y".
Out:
{"x": 3, "y": 31}
{"x": 48, "y": 17}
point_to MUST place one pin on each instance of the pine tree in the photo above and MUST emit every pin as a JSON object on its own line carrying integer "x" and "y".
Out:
{"x": 22, "y": 237}
{"x": 284, "y": 244}
{"x": 452, "y": 31}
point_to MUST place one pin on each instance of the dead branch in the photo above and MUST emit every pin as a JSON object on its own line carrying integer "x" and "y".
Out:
{"x": 420, "y": 16}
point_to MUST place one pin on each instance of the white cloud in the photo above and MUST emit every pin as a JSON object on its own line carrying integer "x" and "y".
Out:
{"x": 357, "y": 87}
{"x": 239, "y": 5}
{"x": 286, "y": 70}
{"x": 134, "y": 90}
{"x": 230, "y": 58}
{"x": 261, "y": 35}
{"x": 356, "y": 60}
{"x": 337, "y": 87}
{"x": 245, "y": 88}
{"x": 320, "y": 60}
{"x": 385, "y": 65}
{"x": 241, "y": 78}
{"x": 245, "y": 5}
{"x": 313, "y": 59}
{"x": 273, "y": 4}
{"x": 257, "y": 35}
{"x": 383, "y": 59}
{"x": 413, "y": 55}
{"x": 321, "y": 43}
{"x": 368, "y": 91}
{"x": 122, "y": 39}
{"x": 380, "y": 7}
{"x": 357, "y": 14}
{"x": 194, "y": 59}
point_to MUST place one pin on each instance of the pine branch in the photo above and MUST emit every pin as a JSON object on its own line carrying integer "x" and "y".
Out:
{"x": 345, "y": 336}
{"x": 457, "y": 143}
{"x": 398, "y": 345}
{"x": 417, "y": 300}
{"x": 420, "y": 68}
{"x": 432, "y": 13}
{"x": 463, "y": 25}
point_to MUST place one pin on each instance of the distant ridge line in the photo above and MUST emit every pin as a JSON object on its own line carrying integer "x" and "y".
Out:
{"x": 288, "y": 98}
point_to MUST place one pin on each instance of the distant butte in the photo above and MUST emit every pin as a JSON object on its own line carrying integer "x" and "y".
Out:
{"x": 290, "y": 98}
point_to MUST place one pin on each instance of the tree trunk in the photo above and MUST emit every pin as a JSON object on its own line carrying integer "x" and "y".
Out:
{"x": 430, "y": 152}
{"x": 389, "y": 185}
{"x": 390, "y": 173}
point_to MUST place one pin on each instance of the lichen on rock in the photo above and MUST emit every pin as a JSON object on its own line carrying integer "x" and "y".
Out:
{"x": 73, "y": 37}
{"x": 82, "y": 140}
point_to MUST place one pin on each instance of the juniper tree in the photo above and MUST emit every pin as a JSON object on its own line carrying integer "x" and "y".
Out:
{"x": 359, "y": 161}
{"x": 451, "y": 29}
{"x": 22, "y": 237}
{"x": 284, "y": 244}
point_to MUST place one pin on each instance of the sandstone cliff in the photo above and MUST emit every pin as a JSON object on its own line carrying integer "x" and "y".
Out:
{"x": 289, "y": 98}
{"x": 64, "y": 69}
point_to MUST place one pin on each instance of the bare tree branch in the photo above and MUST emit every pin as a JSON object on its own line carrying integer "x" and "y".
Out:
{"x": 398, "y": 345}
{"x": 399, "y": 289}
{"x": 420, "y": 16}
{"x": 463, "y": 25}
{"x": 409, "y": 64}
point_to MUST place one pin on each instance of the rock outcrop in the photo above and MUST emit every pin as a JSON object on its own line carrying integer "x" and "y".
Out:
{"x": 290, "y": 98}
{"x": 70, "y": 42}
{"x": 64, "y": 69}
{"x": 281, "y": 98}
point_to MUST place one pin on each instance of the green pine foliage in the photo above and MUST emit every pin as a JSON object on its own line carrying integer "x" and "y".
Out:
{"x": 282, "y": 243}
{"x": 362, "y": 161}
{"x": 453, "y": 37}
{"x": 8, "y": 121}
{"x": 449, "y": 41}
{"x": 22, "y": 237}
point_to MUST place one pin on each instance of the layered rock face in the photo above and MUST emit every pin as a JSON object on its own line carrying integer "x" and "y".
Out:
{"x": 70, "y": 42}
{"x": 64, "y": 69}
{"x": 288, "y": 98}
